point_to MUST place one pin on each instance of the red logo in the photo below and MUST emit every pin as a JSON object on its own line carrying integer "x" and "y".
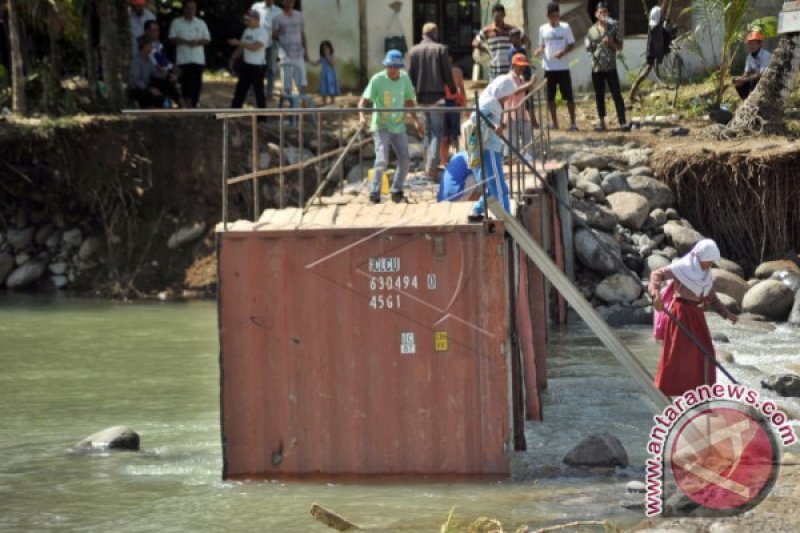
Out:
{"x": 724, "y": 458}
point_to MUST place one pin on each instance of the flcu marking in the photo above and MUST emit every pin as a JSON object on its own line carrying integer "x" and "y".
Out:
{"x": 382, "y": 265}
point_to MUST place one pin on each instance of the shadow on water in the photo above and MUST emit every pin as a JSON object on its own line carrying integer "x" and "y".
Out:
{"x": 73, "y": 366}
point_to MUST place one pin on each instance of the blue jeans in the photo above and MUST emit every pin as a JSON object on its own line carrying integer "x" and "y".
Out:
{"x": 398, "y": 141}
{"x": 293, "y": 74}
{"x": 495, "y": 180}
{"x": 434, "y": 128}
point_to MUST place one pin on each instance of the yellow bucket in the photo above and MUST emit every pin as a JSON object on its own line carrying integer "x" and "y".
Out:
{"x": 385, "y": 181}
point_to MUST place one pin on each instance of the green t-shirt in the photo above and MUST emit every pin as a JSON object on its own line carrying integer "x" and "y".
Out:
{"x": 384, "y": 93}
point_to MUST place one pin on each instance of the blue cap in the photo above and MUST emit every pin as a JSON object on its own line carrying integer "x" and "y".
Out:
{"x": 394, "y": 59}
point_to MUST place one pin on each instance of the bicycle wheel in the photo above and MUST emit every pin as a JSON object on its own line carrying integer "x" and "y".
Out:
{"x": 670, "y": 71}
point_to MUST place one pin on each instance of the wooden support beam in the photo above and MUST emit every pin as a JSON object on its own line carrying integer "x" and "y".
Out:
{"x": 582, "y": 306}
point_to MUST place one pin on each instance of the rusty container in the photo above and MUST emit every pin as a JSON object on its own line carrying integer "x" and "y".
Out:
{"x": 353, "y": 351}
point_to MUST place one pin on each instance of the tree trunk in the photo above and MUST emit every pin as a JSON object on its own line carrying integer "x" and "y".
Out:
{"x": 90, "y": 54}
{"x": 18, "y": 101}
{"x": 109, "y": 51}
{"x": 363, "y": 50}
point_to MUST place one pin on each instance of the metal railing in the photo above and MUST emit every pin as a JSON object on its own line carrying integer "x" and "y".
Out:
{"x": 305, "y": 123}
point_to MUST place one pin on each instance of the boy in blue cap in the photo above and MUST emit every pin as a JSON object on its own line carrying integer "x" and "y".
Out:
{"x": 390, "y": 89}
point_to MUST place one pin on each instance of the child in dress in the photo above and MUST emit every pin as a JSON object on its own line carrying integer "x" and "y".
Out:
{"x": 328, "y": 82}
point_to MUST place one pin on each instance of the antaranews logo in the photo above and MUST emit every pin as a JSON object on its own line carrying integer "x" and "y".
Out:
{"x": 714, "y": 452}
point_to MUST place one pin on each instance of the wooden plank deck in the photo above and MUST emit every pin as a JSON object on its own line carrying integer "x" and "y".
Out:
{"x": 352, "y": 209}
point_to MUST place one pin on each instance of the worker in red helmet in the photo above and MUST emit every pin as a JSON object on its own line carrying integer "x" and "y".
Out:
{"x": 757, "y": 62}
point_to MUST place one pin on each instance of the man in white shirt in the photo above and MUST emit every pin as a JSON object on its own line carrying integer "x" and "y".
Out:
{"x": 138, "y": 16}
{"x": 555, "y": 42}
{"x": 756, "y": 65}
{"x": 251, "y": 71}
{"x": 267, "y": 11}
{"x": 288, "y": 29}
{"x": 190, "y": 35}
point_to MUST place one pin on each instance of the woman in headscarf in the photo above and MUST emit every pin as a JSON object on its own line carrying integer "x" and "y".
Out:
{"x": 683, "y": 366}
{"x": 491, "y": 105}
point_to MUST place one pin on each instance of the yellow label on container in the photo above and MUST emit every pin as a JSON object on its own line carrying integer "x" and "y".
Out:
{"x": 440, "y": 342}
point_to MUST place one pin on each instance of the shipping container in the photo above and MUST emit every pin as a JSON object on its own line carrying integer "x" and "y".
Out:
{"x": 365, "y": 340}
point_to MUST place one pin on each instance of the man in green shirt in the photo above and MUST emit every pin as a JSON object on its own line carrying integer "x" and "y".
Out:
{"x": 390, "y": 89}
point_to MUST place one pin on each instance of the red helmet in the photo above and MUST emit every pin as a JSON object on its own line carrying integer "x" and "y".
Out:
{"x": 754, "y": 35}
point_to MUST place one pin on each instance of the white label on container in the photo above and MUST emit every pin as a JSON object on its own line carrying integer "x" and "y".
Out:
{"x": 384, "y": 264}
{"x": 408, "y": 343}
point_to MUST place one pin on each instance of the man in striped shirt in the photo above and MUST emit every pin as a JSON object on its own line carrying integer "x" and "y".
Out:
{"x": 496, "y": 39}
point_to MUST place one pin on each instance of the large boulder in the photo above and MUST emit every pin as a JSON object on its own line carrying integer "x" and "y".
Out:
{"x": 641, "y": 171}
{"x": 618, "y": 288}
{"x": 681, "y": 237}
{"x": 794, "y": 315}
{"x": 595, "y": 215}
{"x": 89, "y": 247}
{"x": 789, "y": 278}
{"x": 783, "y": 384}
{"x": 113, "y": 438}
{"x": 19, "y": 239}
{"x": 730, "y": 284}
{"x": 615, "y": 182}
{"x": 591, "y": 190}
{"x": 6, "y": 266}
{"x": 185, "y": 235}
{"x": 653, "y": 263}
{"x": 26, "y": 275}
{"x": 631, "y": 209}
{"x": 618, "y": 315}
{"x": 770, "y": 298}
{"x": 729, "y": 266}
{"x": 72, "y": 238}
{"x": 44, "y": 233}
{"x": 657, "y": 193}
{"x": 602, "y": 450}
{"x": 765, "y": 270}
{"x": 591, "y": 174}
{"x": 597, "y": 251}
{"x": 584, "y": 160}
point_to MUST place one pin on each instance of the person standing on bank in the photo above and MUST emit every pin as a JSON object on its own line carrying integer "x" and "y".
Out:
{"x": 190, "y": 35}
{"x": 138, "y": 16}
{"x": 251, "y": 71}
{"x": 430, "y": 71}
{"x": 389, "y": 89}
{"x": 683, "y": 366}
{"x": 496, "y": 39}
{"x": 756, "y": 65}
{"x": 267, "y": 11}
{"x": 555, "y": 42}
{"x": 603, "y": 43}
{"x": 289, "y": 30}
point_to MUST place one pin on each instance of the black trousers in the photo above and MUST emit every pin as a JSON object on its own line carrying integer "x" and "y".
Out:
{"x": 166, "y": 87}
{"x": 599, "y": 80}
{"x": 250, "y": 76}
{"x": 746, "y": 88}
{"x": 191, "y": 82}
{"x": 145, "y": 98}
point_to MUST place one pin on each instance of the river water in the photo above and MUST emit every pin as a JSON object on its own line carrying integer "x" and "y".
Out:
{"x": 71, "y": 367}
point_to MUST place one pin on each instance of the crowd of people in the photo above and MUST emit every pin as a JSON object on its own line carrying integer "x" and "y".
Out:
{"x": 272, "y": 38}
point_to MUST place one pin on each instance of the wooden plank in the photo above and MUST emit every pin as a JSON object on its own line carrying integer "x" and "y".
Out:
{"x": 347, "y": 214}
{"x": 582, "y": 306}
